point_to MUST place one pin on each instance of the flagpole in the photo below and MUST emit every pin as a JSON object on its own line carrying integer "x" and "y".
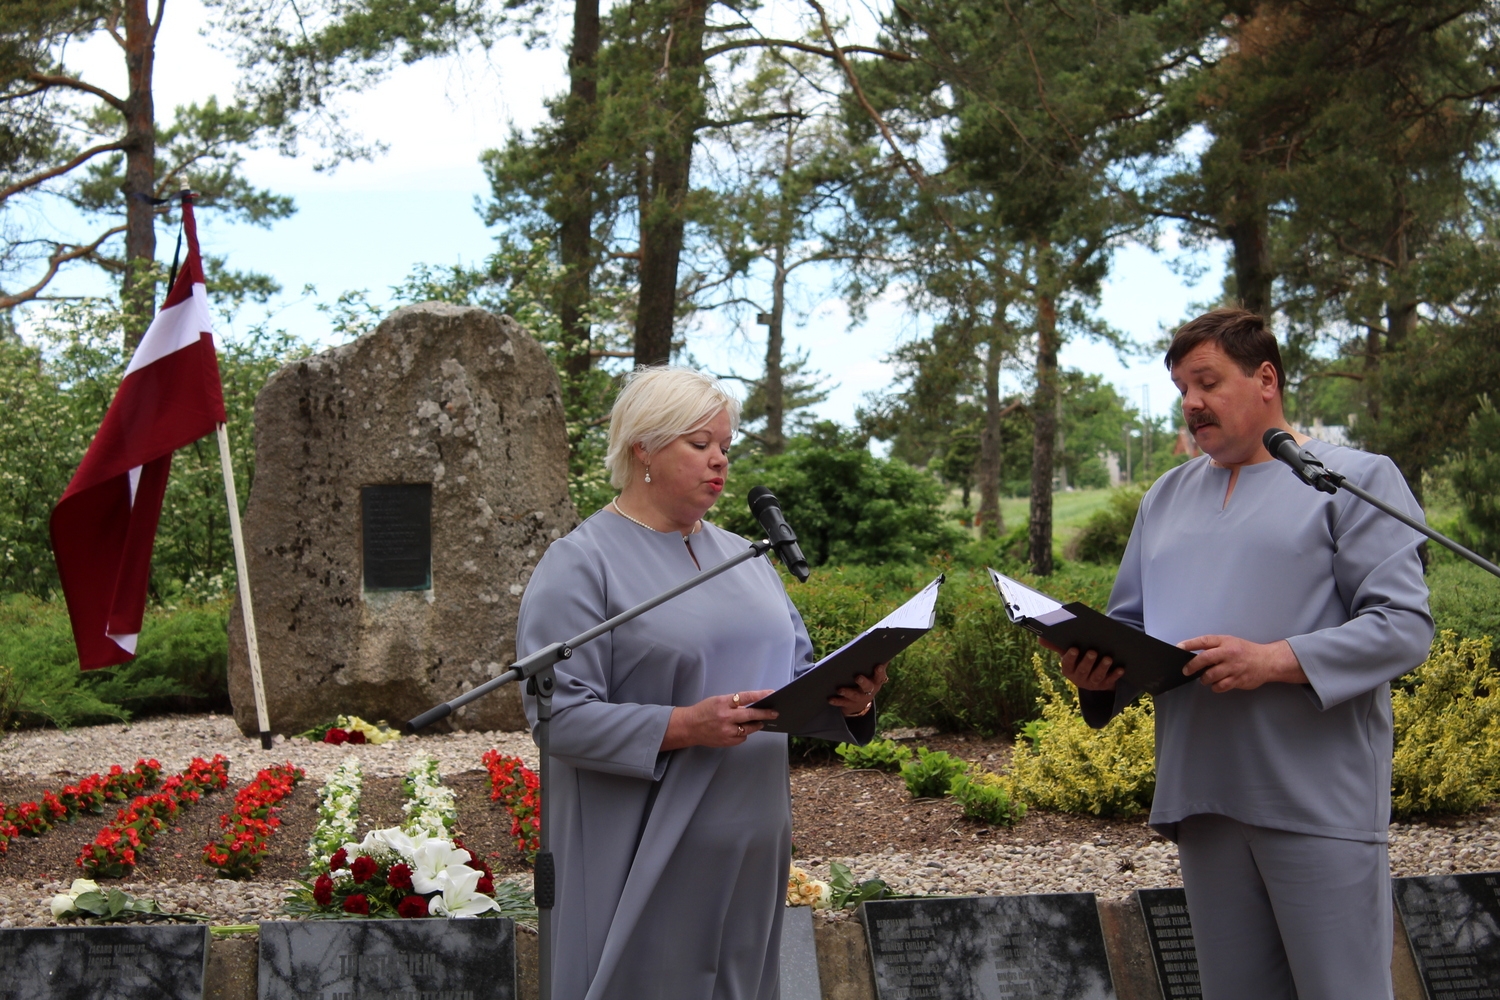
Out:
{"x": 247, "y": 611}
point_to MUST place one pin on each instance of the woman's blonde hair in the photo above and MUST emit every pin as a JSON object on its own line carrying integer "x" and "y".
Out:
{"x": 658, "y": 405}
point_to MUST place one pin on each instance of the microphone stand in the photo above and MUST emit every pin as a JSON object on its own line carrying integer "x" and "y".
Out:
{"x": 1320, "y": 477}
{"x": 537, "y": 670}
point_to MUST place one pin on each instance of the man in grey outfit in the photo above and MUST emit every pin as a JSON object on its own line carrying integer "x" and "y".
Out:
{"x": 1274, "y": 770}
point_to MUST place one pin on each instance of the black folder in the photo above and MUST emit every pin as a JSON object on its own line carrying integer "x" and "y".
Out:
{"x": 1150, "y": 664}
{"x": 803, "y": 704}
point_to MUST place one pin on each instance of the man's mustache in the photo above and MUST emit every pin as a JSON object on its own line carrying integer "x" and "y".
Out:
{"x": 1200, "y": 420}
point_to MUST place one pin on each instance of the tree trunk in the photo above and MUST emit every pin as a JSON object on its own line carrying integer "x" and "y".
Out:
{"x": 1252, "y": 253}
{"x": 775, "y": 391}
{"x": 991, "y": 524}
{"x": 1044, "y": 424}
{"x": 662, "y": 216}
{"x": 576, "y": 225}
{"x": 138, "y": 287}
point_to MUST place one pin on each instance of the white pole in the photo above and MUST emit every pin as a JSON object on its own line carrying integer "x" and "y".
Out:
{"x": 247, "y": 612}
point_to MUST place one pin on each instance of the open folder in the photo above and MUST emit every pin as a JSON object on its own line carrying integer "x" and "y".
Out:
{"x": 1151, "y": 665}
{"x": 803, "y": 704}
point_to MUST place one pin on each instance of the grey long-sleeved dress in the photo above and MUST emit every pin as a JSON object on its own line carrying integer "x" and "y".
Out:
{"x": 1337, "y": 579}
{"x": 672, "y": 866}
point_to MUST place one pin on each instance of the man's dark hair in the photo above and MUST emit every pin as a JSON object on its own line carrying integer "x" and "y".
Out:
{"x": 1239, "y": 333}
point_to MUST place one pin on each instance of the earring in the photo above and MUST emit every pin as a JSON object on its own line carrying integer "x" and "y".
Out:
{"x": 648, "y": 473}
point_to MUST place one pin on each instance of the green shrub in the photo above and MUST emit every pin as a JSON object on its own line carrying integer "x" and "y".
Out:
{"x": 181, "y": 666}
{"x": 877, "y": 755}
{"x": 1102, "y": 540}
{"x": 931, "y": 774}
{"x": 986, "y": 797}
{"x": 1104, "y": 772}
{"x": 9, "y": 697}
{"x": 1447, "y": 731}
{"x": 1476, "y": 477}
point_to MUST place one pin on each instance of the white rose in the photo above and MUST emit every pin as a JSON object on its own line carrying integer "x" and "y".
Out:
{"x": 62, "y": 904}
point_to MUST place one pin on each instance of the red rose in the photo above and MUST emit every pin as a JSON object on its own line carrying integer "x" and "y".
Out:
{"x": 399, "y": 877}
{"x": 356, "y": 736}
{"x": 486, "y": 885}
{"x": 323, "y": 890}
{"x": 364, "y": 866}
{"x": 340, "y": 859}
{"x": 412, "y": 906}
{"x": 335, "y": 736}
{"x": 358, "y": 903}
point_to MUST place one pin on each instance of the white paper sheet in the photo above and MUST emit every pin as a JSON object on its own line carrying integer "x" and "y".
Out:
{"x": 919, "y": 612}
{"x": 1020, "y": 600}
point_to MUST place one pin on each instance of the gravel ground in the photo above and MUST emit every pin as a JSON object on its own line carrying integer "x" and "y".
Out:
{"x": 1110, "y": 866}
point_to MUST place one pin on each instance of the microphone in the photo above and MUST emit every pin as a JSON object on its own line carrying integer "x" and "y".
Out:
{"x": 1283, "y": 447}
{"x": 767, "y": 510}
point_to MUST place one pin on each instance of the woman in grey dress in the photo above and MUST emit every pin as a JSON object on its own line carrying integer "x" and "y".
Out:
{"x": 670, "y": 810}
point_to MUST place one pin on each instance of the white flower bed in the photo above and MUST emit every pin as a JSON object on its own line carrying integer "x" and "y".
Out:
{"x": 338, "y": 812}
{"x": 430, "y": 808}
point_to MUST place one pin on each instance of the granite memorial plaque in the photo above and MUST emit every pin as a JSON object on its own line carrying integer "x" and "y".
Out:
{"x": 396, "y": 531}
{"x": 799, "y": 956}
{"x": 988, "y": 948}
{"x": 1171, "y": 935}
{"x": 378, "y": 959}
{"x": 1453, "y": 924}
{"x": 130, "y": 962}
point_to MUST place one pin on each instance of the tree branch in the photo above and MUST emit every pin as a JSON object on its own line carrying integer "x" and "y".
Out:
{"x": 777, "y": 43}
{"x": 46, "y": 175}
{"x": 73, "y": 83}
{"x": 58, "y": 258}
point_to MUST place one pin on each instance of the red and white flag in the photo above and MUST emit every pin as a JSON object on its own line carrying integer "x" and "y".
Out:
{"x": 104, "y": 527}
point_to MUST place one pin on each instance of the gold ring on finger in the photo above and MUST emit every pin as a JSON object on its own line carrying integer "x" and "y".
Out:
{"x": 736, "y": 699}
{"x": 740, "y": 730}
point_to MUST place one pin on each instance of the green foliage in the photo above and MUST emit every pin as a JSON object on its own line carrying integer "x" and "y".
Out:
{"x": 182, "y": 664}
{"x": 1103, "y": 538}
{"x": 847, "y": 892}
{"x": 931, "y": 774}
{"x": 10, "y": 697}
{"x": 1464, "y": 598}
{"x": 1072, "y": 768}
{"x": 986, "y": 797}
{"x": 1447, "y": 731}
{"x": 1476, "y": 477}
{"x": 877, "y": 755}
{"x": 847, "y": 505}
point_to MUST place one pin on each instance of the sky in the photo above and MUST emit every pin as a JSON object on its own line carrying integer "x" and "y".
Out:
{"x": 366, "y": 224}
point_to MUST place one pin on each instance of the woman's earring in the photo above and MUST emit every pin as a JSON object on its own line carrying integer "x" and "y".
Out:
{"x": 648, "y": 473}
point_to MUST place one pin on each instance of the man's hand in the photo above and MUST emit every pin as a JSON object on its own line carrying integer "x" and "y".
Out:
{"x": 1229, "y": 664}
{"x": 1088, "y": 671}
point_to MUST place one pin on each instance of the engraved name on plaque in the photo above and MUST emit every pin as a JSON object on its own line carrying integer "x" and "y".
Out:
{"x": 396, "y": 536}
{"x": 1045, "y": 947}
{"x": 1453, "y": 924}
{"x": 103, "y": 963}
{"x": 1171, "y": 935}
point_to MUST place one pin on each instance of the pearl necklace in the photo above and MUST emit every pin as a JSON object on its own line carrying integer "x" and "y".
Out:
{"x": 616, "y": 506}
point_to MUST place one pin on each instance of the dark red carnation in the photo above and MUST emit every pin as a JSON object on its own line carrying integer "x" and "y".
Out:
{"x": 364, "y": 866}
{"x": 412, "y": 906}
{"x": 336, "y": 736}
{"x": 340, "y": 859}
{"x": 356, "y": 736}
{"x": 323, "y": 890}
{"x": 399, "y": 877}
{"x": 358, "y": 903}
{"x": 486, "y": 885}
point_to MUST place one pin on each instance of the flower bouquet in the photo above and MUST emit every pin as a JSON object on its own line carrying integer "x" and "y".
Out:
{"x": 393, "y": 874}
{"x": 352, "y": 729}
{"x": 86, "y": 899}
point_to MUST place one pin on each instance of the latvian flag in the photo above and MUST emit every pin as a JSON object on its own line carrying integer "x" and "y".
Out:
{"x": 104, "y": 526}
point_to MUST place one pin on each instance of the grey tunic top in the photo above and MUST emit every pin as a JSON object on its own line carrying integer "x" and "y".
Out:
{"x": 1336, "y": 578}
{"x": 672, "y": 867}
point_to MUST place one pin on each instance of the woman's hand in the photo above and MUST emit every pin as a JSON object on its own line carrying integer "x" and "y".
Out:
{"x": 721, "y": 721}
{"x": 855, "y": 701}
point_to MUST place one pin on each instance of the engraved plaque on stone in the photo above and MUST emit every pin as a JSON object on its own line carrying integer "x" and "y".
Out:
{"x": 1171, "y": 935}
{"x": 133, "y": 962}
{"x": 799, "y": 956}
{"x": 396, "y": 536}
{"x": 1453, "y": 924}
{"x": 1047, "y": 947}
{"x": 377, "y": 959}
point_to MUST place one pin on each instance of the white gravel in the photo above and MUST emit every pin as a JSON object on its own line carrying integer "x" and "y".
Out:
{"x": 1110, "y": 870}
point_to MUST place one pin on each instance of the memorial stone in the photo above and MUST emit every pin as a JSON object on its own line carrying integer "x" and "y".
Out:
{"x": 1171, "y": 935}
{"x": 406, "y": 484}
{"x": 1453, "y": 924}
{"x": 1045, "y": 947}
{"x": 799, "y": 956}
{"x": 136, "y": 962}
{"x": 377, "y": 959}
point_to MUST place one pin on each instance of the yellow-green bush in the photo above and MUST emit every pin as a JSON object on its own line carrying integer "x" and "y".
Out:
{"x": 1447, "y": 727}
{"x": 1072, "y": 768}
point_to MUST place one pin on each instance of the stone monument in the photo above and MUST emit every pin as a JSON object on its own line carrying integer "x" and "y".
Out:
{"x": 405, "y": 486}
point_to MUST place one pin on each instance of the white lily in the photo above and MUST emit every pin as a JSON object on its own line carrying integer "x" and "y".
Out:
{"x": 395, "y": 840}
{"x": 431, "y": 859}
{"x": 459, "y": 898}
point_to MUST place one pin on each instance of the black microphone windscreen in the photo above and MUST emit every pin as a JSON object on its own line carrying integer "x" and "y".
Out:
{"x": 759, "y": 497}
{"x": 1273, "y": 437}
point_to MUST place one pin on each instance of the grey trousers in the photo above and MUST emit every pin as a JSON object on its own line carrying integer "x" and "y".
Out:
{"x": 1286, "y": 916}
